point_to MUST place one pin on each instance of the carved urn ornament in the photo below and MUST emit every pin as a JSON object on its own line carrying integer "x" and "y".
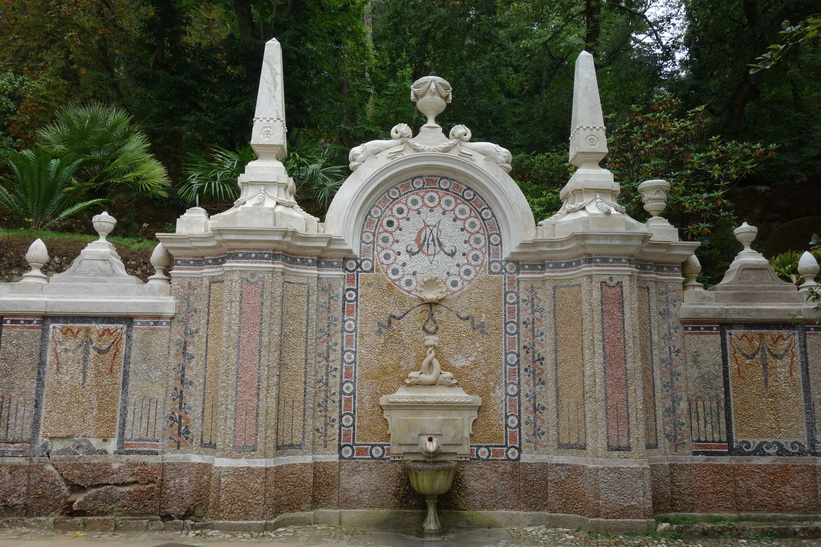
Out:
{"x": 654, "y": 195}
{"x": 431, "y": 95}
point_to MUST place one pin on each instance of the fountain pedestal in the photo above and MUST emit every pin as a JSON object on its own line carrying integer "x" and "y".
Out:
{"x": 431, "y": 479}
{"x": 430, "y": 427}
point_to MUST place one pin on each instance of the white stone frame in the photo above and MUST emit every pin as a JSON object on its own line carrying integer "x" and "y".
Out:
{"x": 502, "y": 194}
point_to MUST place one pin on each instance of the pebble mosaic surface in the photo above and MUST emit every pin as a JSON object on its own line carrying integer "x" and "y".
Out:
{"x": 431, "y": 226}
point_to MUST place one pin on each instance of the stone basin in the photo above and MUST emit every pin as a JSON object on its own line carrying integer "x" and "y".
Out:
{"x": 431, "y": 477}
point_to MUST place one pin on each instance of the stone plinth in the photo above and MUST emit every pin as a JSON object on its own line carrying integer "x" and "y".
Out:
{"x": 417, "y": 413}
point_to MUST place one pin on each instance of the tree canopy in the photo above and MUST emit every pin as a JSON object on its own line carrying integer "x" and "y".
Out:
{"x": 187, "y": 71}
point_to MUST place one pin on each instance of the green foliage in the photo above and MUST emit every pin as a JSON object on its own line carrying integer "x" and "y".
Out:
{"x": 130, "y": 243}
{"x": 117, "y": 160}
{"x": 541, "y": 177}
{"x": 786, "y": 265}
{"x": 667, "y": 142}
{"x": 778, "y": 105}
{"x": 12, "y": 88}
{"x": 791, "y": 36}
{"x": 214, "y": 178}
{"x": 316, "y": 173}
{"x": 664, "y": 142}
{"x": 312, "y": 165}
{"x": 41, "y": 190}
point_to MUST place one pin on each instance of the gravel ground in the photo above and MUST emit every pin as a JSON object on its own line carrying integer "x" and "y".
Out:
{"x": 322, "y": 535}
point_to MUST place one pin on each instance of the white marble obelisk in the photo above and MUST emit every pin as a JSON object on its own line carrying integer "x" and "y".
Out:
{"x": 589, "y": 197}
{"x": 266, "y": 191}
{"x": 268, "y": 137}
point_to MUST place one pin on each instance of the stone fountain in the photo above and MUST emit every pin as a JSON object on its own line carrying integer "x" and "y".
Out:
{"x": 430, "y": 420}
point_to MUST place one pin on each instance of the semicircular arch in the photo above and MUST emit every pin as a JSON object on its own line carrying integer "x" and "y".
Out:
{"x": 352, "y": 202}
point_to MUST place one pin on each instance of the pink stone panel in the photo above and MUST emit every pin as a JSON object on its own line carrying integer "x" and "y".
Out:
{"x": 185, "y": 489}
{"x": 326, "y": 485}
{"x": 241, "y": 493}
{"x": 375, "y": 485}
{"x": 13, "y": 490}
{"x": 681, "y": 488}
{"x": 615, "y": 367}
{"x": 714, "y": 487}
{"x": 624, "y": 492}
{"x": 484, "y": 486}
{"x": 46, "y": 491}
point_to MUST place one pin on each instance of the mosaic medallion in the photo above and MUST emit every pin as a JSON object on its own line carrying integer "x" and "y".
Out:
{"x": 431, "y": 226}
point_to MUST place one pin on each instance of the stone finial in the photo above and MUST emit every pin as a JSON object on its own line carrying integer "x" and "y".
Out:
{"x": 268, "y": 135}
{"x": 807, "y": 269}
{"x": 588, "y": 141}
{"x": 691, "y": 268}
{"x": 431, "y": 94}
{"x": 103, "y": 224}
{"x": 750, "y": 271}
{"x": 654, "y": 196}
{"x": 99, "y": 262}
{"x": 746, "y": 234}
{"x": 161, "y": 260}
{"x": 37, "y": 256}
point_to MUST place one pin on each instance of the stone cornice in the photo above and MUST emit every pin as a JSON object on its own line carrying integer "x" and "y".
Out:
{"x": 286, "y": 240}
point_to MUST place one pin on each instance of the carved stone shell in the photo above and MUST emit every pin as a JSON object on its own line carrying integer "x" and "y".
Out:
{"x": 431, "y": 289}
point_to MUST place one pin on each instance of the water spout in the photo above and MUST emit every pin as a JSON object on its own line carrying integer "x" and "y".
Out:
{"x": 430, "y": 448}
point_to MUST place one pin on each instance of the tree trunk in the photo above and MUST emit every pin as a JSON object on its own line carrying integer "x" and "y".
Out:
{"x": 592, "y": 22}
{"x": 745, "y": 91}
{"x": 245, "y": 20}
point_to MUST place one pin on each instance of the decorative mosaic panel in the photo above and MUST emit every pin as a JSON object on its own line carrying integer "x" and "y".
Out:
{"x": 671, "y": 370}
{"x": 328, "y": 349}
{"x": 20, "y": 339}
{"x": 767, "y": 384}
{"x": 184, "y": 360}
{"x": 705, "y": 390}
{"x": 534, "y": 367}
{"x": 430, "y": 226}
{"x": 213, "y": 360}
{"x": 142, "y": 412}
{"x": 84, "y": 360}
{"x": 568, "y": 351}
{"x": 648, "y": 380}
{"x": 249, "y": 348}
{"x": 293, "y": 367}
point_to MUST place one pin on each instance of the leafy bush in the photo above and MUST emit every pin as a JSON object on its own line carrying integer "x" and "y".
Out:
{"x": 786, "y": 265}
{"x": 117, "y": 160}
{"x": 541, "y": 177}
{"x": 665, "y": 142}
{"x": 42, "y": 190}
{"x": 312, "y": 166}
{"x": 316, "y": 173}
{"x": 214, "y": 179}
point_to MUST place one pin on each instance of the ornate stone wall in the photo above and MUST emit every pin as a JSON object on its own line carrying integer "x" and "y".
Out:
{"x": 248, "y": 386}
